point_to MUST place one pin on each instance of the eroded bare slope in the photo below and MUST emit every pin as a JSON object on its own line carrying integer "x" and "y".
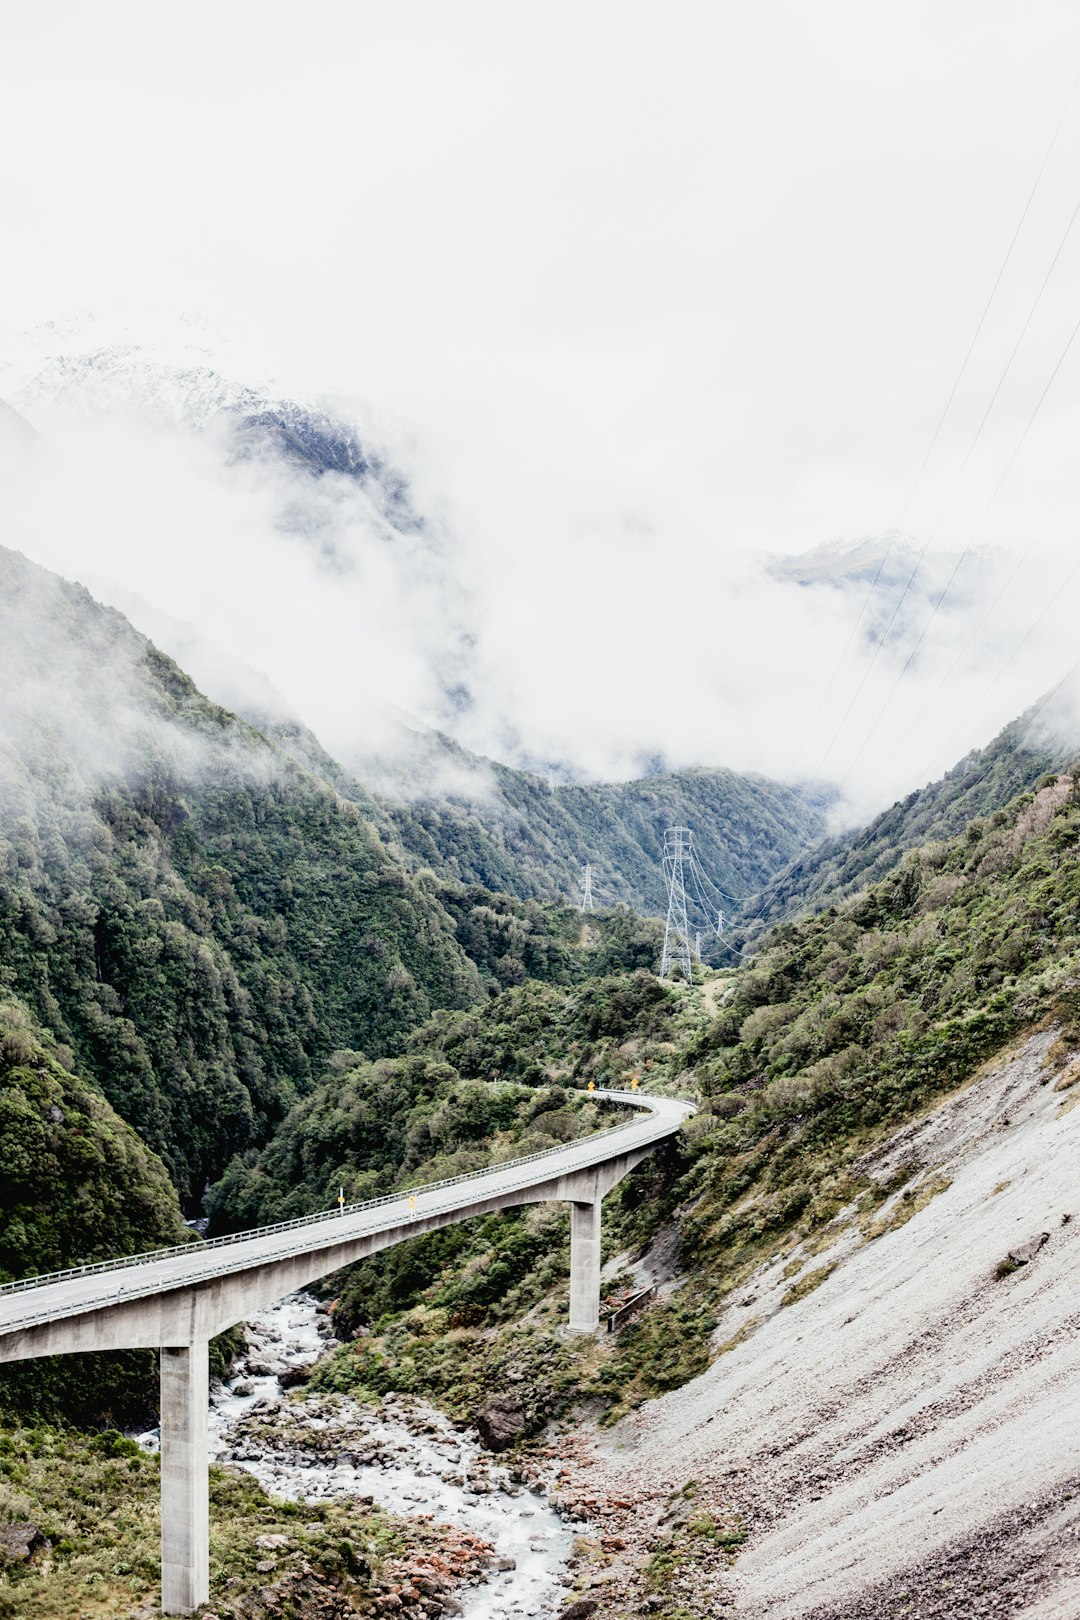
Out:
{"x": 903, "y": 1439}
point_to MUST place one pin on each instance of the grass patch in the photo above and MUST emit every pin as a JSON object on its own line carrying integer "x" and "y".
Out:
{"x": 96, "y": 1499}
{"x": 738, "y": 1337}
{"x": 909, "y": 1204}
{"x": 807, "y": 1283}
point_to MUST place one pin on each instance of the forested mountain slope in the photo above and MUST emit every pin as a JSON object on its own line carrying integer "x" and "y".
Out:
{"x": 846, "y": 1026}
{"x": 508, "y": 830}
{"x": 197, "y": 918}
{"x": 478, "y": 822}
{"x": 77, "y": 1185}
{"x": 1045, "y": 738}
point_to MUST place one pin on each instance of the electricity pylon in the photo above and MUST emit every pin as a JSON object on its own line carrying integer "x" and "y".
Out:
{"x": 676, "y": 951}
{"x": 586, "y": 891}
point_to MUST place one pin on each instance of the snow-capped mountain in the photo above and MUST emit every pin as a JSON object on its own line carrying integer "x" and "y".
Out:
{"x": 278, "y": 470}
{"x": 904, "y": 581}
{"x": 183, "y": 387}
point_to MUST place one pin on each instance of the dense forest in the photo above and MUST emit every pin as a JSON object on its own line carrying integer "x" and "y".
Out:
{"x": 1042, "y": 740}
{"x": 478, "y": 822}
{"x": 843, "y": 1027}
{"x": 522, "y": 836}
{"x": 232, "y": 979}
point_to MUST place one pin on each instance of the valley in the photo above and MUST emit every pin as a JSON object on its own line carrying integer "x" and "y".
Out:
{"x": 234, "y": 992}
{"x": 539, "y": 811}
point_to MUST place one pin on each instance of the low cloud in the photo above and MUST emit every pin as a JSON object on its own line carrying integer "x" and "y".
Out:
{"x": 640, "y": 308}
{"x": 596, "y": 648}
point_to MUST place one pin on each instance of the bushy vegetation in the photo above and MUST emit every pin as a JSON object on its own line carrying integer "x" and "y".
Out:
{"x": 472, "y": 1087}
{"x": 198, "y": 919}
{"x": 78, "y": 1185}
{"x": 1042, "y": 741}
{"x": 845, "y": 1026}
{"x": 512, "y": 940}
{"x": 95, "y": 1499}
{"x": 371, "y": 1128}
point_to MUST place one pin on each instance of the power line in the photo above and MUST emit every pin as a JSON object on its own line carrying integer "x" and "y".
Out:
{"x": 895, "y": 535}
{"x": 952, "y": 491}
{"x": 717, "y": 888}
{"x": 966, "y": 551}
{"x": 797, "y": 866}
{"x": 974, "y": 635}
{"x": 1025, "y": 638}
{"x": 703, "y": 877}
{"x": 702, "y": 902}
{"x": 792, "y": 870}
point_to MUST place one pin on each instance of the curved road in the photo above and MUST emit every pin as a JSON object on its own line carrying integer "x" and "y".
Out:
{"x": 177, "y": 1299}
{"x": 65, "y": 1295}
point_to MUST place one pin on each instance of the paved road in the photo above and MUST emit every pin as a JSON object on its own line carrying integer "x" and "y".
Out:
{"x": 71, "y": 1294}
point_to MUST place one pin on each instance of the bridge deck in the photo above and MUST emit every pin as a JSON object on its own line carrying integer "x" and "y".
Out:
{"x": 71, "y": 1294}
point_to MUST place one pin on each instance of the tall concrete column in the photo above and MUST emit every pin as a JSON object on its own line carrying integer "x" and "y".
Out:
{"x": 185, "y": 1479}
{"x": 585, "y": 1267}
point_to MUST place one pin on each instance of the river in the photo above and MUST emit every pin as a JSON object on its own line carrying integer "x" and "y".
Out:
{"x": 403, "y": 1453}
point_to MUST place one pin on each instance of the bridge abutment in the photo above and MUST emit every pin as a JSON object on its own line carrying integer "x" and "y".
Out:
{"x": 185, "y": 1479}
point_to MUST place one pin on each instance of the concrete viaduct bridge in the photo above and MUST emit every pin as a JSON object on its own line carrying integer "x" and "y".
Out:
{"x": 176, "y": 1300}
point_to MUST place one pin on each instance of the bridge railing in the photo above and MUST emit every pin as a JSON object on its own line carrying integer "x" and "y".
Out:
{"x": 149, "y": 1256}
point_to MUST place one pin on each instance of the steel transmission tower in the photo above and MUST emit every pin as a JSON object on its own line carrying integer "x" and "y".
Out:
{"x": 586, "y": 891}
{"x": 678, "y": 852}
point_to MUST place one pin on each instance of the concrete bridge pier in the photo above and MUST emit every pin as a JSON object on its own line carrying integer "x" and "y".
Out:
{"x": 185, "y": 1478}
{"x": 585, "y": 1267}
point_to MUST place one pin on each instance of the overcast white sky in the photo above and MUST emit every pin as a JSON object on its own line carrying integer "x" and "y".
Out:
{"x": 651, "y": 287}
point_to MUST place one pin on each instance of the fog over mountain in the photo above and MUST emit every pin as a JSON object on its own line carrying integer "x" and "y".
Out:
{"x": 208, "y": 508}
{"x": 540, "y": 766}
{"x": 522, "y": 367}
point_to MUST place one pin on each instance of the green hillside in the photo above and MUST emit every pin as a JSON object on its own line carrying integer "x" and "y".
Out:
{"x": 197, "y": 918}
{"x": 1043, "y": 739}
{"x": 78, "y": 1185}
{"x": 846, "y": 1025}
{"x": 532, "y": 840}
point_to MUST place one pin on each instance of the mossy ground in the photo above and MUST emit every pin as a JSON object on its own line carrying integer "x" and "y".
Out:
{"x": 96, "y": 1499}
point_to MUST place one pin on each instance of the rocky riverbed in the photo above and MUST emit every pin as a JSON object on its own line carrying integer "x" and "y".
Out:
{"x": 402, "y": 1454}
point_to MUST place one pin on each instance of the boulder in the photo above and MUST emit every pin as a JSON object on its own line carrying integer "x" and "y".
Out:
{"x": 581, "y": 1610}
{"x": 20, "y": 1541}
{"x": 291, "y": 1376}
{"x": 501, "y": 1422}
{"x": 1027, "y": 1251}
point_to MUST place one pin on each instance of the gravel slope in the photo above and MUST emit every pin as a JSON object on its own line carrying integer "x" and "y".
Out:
{"x": 905, "y": 1440}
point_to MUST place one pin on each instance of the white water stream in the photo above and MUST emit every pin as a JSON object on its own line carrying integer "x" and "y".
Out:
{"x": 407, "y": 1456}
